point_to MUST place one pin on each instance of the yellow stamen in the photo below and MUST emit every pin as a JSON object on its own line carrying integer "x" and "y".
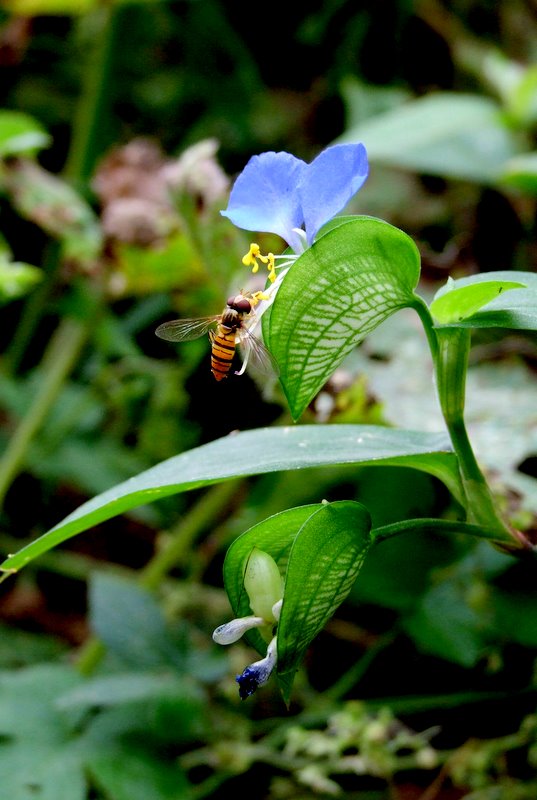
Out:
{"x": 257, "y": 296}
{"x": 254, "y": 255}
{"x": 271, "y": 267}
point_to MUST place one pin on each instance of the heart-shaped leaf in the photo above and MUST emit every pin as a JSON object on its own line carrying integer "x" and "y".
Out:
{"x": 335, "y": 294}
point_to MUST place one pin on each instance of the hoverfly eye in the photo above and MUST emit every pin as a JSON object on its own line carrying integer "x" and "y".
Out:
{"x": 231, "y": 301}
{"x": 242, "y": 305}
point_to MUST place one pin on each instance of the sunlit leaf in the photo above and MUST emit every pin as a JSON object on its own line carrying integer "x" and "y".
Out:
{"x": 20, "y": 134}
{"x": 516, "y": 309}
{"x": 256, "y": 452}
{"x": 16, "y": 279}
{"x": 33, "y": 8}
{"x": 335, "y": 294}
{"x": 520, "y": 173}
{"x": 447, "y": 134}
{"x": 455, "y": 303}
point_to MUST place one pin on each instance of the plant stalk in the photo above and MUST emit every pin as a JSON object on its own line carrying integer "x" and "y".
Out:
{"x": 450, "y": 347}
{"x": 60, "y": 357}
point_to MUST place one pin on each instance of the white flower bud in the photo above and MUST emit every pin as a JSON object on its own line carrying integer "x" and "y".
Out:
{"x": 232, "y": 631}
{"x": 263, "y": 584}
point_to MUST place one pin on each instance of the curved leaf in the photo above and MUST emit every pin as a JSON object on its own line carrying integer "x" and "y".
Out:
{"x": 254, "y": 453}
{"x": 444, "y": 133}
{"x": 515, "y": 309}
{"x": 337, "y": 292}
{"x": 455, "y": 303}
{"x": 275, "y": 536}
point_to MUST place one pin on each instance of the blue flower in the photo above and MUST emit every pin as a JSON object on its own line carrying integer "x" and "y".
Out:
{"x": 264, "y": 587}
{"x": 278, "y": 193}
{"x": 258, "y": 673}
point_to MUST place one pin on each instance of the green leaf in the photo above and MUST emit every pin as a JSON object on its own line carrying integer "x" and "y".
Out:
{"x": 129, "y": 687}
{"x": 37, "y": 758}
{"x": 319, "y": 549}
{"x": 516, "y": 309}
{"x": 16, "y": 279}
{"x": 520, "y": 173}
{"x": 130, "y": 622}
{"x": 447, "y": 134}
{"x": 325, "y": 558}
{"x": 335, "y": 294}
{"x": 127, "y": 772}
{"x": 275, "y": 536}
{"x": 53, "y": 205}
{"x": 446, "y": 625}
{"x": 254, "y": 453}
{"x": 516, "y": 615}
{"x": 20, "y": 134}
{"x": 455, "y": 303}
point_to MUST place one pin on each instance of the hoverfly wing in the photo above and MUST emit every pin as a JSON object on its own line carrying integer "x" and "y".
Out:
{"x": 185, "y": 330}
{"x": 254, "y": 353}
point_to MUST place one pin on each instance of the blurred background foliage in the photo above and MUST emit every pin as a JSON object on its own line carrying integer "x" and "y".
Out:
{"x": 122, "y": 127}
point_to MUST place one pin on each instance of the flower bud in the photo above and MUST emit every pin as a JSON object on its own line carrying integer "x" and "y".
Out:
{"x": 263, "y": 583}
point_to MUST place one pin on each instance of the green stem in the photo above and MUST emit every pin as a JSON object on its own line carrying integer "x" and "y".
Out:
{"x": 355, "y": 674}
{"x": 422, "y": 309}
{"x": 179, "y": 542}
{"x": 432, "y": 525}
{"x": 451, "y": 369}
{"x": 66, "y": 344}
{"x": 60, "y": 357}
{"x": 449, "y": 349}
{"x": 33, "y": 311}
{"x": 87, "y": 134}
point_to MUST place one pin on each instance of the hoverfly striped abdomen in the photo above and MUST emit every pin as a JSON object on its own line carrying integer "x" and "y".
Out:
{"x": 224, "y": 338}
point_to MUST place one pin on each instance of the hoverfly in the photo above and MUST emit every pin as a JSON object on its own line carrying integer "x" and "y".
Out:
{"x": 230, "y": 332}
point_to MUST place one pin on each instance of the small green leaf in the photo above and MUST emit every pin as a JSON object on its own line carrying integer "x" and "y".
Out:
{"x": 16, "y": 279}
{"x": 55, "y": 206}
{"x": 520, "y": 172}
{"x": 516, "y": 308}
{"x": 256, "y": 452}
{"x": 334, "y": 295}
{"x": 20, "y": 134}
{"x": 319, "y": 549}
{"x": 455, "y": 303}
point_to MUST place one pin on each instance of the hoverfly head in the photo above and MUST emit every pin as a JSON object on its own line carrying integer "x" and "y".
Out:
{"x": 240, "y": 304}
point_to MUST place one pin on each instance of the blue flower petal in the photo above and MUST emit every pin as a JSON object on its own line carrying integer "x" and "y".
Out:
{"x": 329, "y": 182}
{"x": 264, "y": 196}
{"x": 257, "y": 674}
